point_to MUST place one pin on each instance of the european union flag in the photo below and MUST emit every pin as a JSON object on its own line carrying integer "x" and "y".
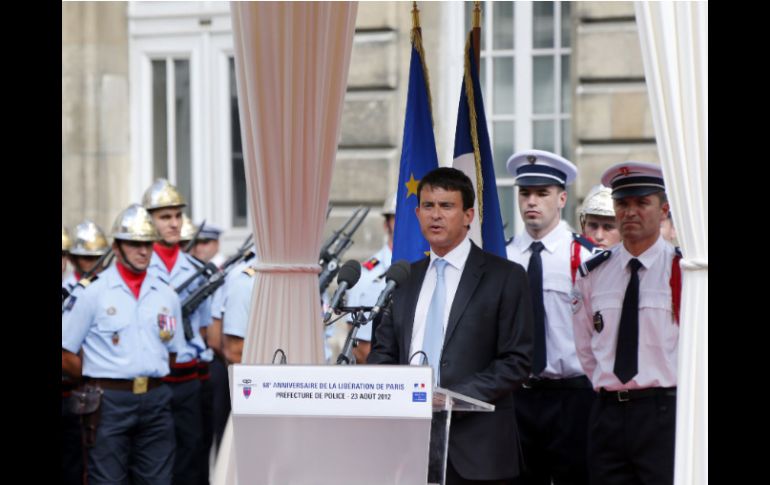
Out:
{"x": 418, "y": 157}
{"x": 473, "y": 155}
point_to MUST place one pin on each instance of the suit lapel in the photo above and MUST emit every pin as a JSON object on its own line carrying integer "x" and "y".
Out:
{"x": 469, "y": 280}
{"x": 413, "y": 293}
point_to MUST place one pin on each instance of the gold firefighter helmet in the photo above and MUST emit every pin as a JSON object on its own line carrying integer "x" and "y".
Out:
{"x": 161, "y": 195}
{"x": 188, "y": 228}
{"x": 134, "y": 224}
{"x": 65, "y": 240}
{"x": 89, "y": 240}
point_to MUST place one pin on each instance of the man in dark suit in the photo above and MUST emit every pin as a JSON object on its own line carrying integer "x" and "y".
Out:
{"x": 470, "y": 312}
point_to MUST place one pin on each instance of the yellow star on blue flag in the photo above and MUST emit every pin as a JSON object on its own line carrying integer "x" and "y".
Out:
{"x": 411, "y": 186}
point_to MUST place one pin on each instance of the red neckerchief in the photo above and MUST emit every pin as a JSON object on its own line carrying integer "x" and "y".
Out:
{"x": 133, "y": 280}
{"x": 78, "y": 276}
{"x": 167, "y": 254}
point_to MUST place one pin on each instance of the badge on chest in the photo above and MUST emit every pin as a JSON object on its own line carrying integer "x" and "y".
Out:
{"x": 598, "y": 322}
{"x": 166, "y": 325}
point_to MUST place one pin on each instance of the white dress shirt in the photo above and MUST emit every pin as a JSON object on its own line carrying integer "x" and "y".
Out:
{"x": 455, "y": 259}
{"x": 602, "y": 293}
{"x": 562, "y": 361}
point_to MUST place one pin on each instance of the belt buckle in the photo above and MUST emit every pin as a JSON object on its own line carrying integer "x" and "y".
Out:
{"x": 624, "y": 396}
{"x": 140, "y": 385}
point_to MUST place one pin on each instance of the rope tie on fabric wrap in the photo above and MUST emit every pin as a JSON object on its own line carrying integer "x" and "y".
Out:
{"x": 694, "y": 264}
{"x": 287, "y": 268}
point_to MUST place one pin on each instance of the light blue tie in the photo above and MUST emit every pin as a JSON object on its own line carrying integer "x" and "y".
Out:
{"x": 433, "y": 340}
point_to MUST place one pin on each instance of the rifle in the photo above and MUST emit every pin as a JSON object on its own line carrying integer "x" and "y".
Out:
{"x": 209, "y": 269}
{"x": 199, "y": 295}
{"x": 334, "y": 247}
{"x": 215, "y": 277}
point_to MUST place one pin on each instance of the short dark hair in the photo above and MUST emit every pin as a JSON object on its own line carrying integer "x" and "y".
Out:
{"x": 449, "y": 178}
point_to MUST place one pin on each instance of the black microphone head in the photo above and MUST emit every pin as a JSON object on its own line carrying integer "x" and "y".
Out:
{"x": 350, "y": 272}
{"x": 398, "y": 272}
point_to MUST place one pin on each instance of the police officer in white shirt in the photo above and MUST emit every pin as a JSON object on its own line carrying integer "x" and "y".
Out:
{"x": 552, "y": 407}
{"x": 627, "y": 331}
{"x": 372, "y": 282}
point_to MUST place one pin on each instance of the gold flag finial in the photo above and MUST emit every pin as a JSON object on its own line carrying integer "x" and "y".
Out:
{"x": 477, "y": 14}
{"x": 415, "y": 16}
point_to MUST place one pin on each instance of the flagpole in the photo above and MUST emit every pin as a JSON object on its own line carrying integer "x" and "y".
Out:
{"x": 476, "y": 33}
{"x": 416, "y": 37}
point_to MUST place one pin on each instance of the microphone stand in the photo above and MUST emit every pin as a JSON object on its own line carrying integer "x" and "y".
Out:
{"x": 359, "y": 318}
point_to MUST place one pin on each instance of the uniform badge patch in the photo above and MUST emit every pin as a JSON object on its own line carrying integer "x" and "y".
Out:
{"x": 166, "y": 326}
{"x": 70, "y": 303}
{"x": 371, "y": 263}
{"x": 598, "y": 322}
{"x": 575, "y": 300}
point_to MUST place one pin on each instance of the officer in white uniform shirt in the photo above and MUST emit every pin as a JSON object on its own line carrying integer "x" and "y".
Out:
{"x": 127, "y": 323}
{"x": 552, "y": 407}
{"x": 627, "y": 332}
{"x": 174, "y": 267}
{"x": 372, "y": 282}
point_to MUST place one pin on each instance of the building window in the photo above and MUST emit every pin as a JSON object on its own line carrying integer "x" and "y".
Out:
{"x": 171, "y": 143}
{"x": 238, "y": 172}
{"x": 525, "y": 76}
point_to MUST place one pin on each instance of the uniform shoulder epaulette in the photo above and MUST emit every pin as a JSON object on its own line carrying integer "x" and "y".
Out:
{"x": 371, "y": 264}
{"x": 64, "y": 294}
{"x": 250, "y": 271}
{"x": 594, "y": 262}
{"x": 586, "y": 243}
{"x": 249, "y": 255}
{"x": 195, "y": 261}
{"x": 84, "y": 282}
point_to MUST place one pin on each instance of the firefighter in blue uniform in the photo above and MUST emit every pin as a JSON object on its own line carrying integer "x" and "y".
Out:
{"x": 88, "y": 245}
{"x": 173, "y": 266}
{"x": 127, "y": 324}
{"x": 72, "y": 455}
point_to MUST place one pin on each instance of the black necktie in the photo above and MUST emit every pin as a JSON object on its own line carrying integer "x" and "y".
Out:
{"x": 627, "y": 353}
{"x": 535, "y": 273}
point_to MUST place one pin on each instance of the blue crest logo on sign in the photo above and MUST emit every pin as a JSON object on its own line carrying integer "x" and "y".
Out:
{"x": 246, "y": 391}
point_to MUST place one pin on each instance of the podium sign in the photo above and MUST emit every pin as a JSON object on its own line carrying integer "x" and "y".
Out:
{"x": 317, "y": 425}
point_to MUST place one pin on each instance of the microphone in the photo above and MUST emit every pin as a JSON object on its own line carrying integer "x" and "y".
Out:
{"x": 348, "y": 276}
{"x": 396, "y": 275}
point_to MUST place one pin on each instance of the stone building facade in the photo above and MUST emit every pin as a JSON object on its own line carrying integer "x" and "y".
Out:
{"x": 147, "y": 90}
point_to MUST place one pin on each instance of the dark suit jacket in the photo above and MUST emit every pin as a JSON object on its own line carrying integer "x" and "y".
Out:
{"x": 487, "y": 354}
